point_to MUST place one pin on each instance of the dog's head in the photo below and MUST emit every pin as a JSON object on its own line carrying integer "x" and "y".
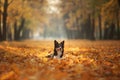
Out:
{"x": 58, "y": 48}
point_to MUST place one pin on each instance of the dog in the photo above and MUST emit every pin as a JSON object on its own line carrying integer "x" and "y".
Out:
{"x": 58, "y": 50}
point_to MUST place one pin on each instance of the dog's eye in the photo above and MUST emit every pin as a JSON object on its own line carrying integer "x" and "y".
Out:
{"x": 56, "y": 45}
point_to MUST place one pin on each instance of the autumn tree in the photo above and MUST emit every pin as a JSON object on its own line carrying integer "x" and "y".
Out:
{"x": 81, "y": 19}
{"x": 77, "y": 15}
{"x": 0, "y": 21}
{"x": 111, "y": 13}
{"x": 16, "y": 14}
{"x": 4, "y": 14}
{"x": 87, "y": 17}
{"x": 23, "y": 21}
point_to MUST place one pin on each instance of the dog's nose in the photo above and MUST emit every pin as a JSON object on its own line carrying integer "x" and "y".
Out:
{"x": 60, "y": 48}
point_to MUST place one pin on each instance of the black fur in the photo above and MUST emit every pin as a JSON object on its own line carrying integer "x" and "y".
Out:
{"x": 59, "y": 46}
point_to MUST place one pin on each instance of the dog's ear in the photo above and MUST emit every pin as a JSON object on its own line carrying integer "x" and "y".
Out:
{"x": 62, "y": 43}
{"x": 55, "y": 43}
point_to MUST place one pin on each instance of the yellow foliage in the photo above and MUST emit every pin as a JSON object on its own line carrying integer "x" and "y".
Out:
{"x": 7, "y": 75}
{"x": 82, "y": 60}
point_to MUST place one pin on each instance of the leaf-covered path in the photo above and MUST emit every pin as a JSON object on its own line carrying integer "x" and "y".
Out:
{"x": 83, "y": 60}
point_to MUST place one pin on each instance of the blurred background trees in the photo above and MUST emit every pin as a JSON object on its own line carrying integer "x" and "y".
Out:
{"x": 61, "y": 19}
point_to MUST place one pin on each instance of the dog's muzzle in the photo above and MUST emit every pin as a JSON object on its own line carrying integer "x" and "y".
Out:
{"x": 59, "y": 49}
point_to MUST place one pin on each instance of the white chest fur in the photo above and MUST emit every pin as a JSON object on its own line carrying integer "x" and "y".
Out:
{"x": 59, "y": 53}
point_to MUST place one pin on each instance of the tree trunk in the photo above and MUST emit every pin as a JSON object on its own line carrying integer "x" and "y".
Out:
{"x": 0, "y": 25}
{"x": 20, "y": 28}
{"x": 9, "y": 33}
{"x": 5, "y": 19}
{"x": 100, "y": 26}
{"x": 106, "y": 31}
{"x": 26, "y": 34}
{"x": 88, "y": 28}
{"x": 15, "y": 30}
{"x": 118, "y": 26}
{"x": 0, "y": 33}
{"x": 93, "y": 26}
{"x": 118, "y": 2}
{"x": 111, "y": 31}
{"x": 78, "y": 28}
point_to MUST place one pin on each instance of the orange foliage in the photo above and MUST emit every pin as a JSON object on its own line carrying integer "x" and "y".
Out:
{"x": 83, "y": 60}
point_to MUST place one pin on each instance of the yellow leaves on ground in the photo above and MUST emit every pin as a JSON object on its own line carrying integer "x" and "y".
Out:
{"x": 7, "y": 75}
{"x": 83, "y": 60}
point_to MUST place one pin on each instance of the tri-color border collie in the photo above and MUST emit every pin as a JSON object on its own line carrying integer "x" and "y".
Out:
{"x": 58, "y": 50}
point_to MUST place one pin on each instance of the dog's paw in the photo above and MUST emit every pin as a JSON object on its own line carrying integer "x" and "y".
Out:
{"x": 49, "y": 56}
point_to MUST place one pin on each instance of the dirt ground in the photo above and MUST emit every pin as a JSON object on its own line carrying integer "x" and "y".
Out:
{"x": 83, "y": 60}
